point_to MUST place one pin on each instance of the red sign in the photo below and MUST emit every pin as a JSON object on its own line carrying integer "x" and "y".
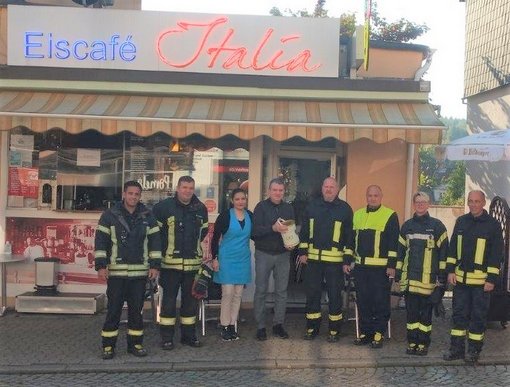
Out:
{"x": 234, "y": 56}
{"x": 23, "y": 182}
{"x": 230, "y": 169}
{"x": 211, "y": 205}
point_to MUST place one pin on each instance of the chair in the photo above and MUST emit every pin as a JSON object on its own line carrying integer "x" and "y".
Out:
{"x": 212, "y": 301}
{"x": 350, "y": 299}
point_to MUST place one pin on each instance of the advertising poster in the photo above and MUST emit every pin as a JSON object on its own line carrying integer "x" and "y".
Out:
{"x": 23, "y": 182}
{"x": 71, "y": 241}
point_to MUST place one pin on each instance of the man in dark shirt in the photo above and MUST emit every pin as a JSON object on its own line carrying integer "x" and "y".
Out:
{"x": 271, "y": 255}
{"x": 473, "y": 265}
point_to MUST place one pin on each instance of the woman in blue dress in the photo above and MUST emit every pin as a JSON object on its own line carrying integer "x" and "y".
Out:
{"x": 230, "y": 247}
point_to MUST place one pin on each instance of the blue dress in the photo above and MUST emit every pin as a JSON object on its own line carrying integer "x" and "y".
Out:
{"x": 234, "y": 253}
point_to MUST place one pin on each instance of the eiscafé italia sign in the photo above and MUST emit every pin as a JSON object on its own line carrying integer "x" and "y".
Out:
{"x": 165, "y": 41}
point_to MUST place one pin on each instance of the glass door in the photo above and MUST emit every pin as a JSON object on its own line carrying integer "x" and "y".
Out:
{"x": 303, "y": 173}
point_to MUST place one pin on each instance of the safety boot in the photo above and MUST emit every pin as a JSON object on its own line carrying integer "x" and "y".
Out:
{"x": 472, "y": 357}
{"x": 311, "y": 334}
{"x": 377, "y": 342}
{"x": 422, "y": 350}
{"x": 411, "y": 349}
{"x": 362, "y": 340}
{"x": 108, "y": 353}
{"x": 333, "y": 336}
{"x": 137, "y": 350}
{"x": 453, "y": 355}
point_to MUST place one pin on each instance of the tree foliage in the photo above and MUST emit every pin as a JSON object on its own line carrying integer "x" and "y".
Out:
{"x": 446, "y": 174}
{"x": 401, "y": 30}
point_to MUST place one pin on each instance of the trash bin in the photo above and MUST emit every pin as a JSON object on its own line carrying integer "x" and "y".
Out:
{"x": 46, "y": 279}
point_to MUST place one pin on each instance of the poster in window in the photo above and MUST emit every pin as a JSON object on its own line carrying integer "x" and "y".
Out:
{"x": 24, "y": 182}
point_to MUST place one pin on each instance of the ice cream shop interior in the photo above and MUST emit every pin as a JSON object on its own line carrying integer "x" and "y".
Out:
{"x": 232, "y": 100}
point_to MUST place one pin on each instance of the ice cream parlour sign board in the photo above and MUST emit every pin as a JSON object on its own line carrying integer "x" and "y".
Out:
{"x": 178, "y": 42}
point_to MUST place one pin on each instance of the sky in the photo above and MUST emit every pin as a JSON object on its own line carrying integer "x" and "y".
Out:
{"x": 445, "y": 18}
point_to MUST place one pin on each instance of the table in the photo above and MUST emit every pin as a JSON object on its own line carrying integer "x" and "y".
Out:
{"x": 4, "y": 260}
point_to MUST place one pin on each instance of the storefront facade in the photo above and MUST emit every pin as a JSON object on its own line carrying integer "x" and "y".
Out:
{"x": 238, "y": 106}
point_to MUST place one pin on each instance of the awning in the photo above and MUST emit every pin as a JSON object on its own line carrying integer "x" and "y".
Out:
{"x": 216, "y": 117}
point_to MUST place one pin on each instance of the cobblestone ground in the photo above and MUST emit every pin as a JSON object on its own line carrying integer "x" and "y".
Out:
{"x": 366, "y": 377}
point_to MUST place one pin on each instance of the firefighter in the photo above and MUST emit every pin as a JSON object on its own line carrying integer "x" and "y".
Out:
{"x": 326, "y": 236}
{"x": 127, "y": 251}
{"x": 376, "y": 231}
{"x": 473, "y": 264}
{"x": 183, "y": 222}
{"x": 421, "y": 263}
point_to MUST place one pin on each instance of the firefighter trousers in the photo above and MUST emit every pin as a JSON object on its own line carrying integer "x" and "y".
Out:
{"x": 172, "y": 281}
{"x": 372, "y": 299}
{"x": 419, "y": 319}
{"x": 118, "y": 291}
{"x": 316, "y": 274}
{"x": 470, "y": 308}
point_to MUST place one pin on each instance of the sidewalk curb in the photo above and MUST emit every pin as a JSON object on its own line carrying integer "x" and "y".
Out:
{"x": 136, "y": 367}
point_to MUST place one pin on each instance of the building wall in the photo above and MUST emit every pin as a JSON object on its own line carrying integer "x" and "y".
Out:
{"x": 489, "y": 110}
{"x": 382, "y": 64}
{"x": 487, "y": 45}
{"x": 382, "y": 164}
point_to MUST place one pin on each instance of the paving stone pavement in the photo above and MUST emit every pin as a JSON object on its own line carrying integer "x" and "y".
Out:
{"x": 383, "y": 376}
{"x": 41, "y": 344}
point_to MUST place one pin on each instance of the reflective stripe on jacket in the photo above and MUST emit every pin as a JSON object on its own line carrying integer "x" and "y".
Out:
{"x": 326, "y": 233}
{"x": 376, "y": 237}
{"x": 476, "y": 249}
{"x": 422, "y": 250}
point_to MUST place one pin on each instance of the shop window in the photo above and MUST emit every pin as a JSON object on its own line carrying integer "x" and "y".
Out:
{"x": 157, "y": 162}
{"x": 85, "y": 172}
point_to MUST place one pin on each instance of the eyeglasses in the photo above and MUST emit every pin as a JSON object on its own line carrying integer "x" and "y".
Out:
{"x": 420, "y": 202}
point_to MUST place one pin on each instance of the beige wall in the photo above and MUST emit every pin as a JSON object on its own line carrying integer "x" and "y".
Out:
{"x": 381, "y": 164}
{"x": 382, "y": 64}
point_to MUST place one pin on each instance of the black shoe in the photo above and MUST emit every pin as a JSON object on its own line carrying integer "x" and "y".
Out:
{"x": 226, "y": 335}
{"x": 108, "y": 353}
{"x": 167, "y": 345}
{"x": 261, "y": 334}
{"x": 311, "y": 334}
{"x": 138, "y": 350}
{"x": 422, "y": 350}
{"x": 233, "y": 333}
{"x": 333, "y": 337}
{"x": 411, "y": 349}
{"x": 191, "y": 342}
{"x": 362, "y": 340}
{"x": 279, "y": 331}
{"x": 451, "y": 355}
{"x": 472, "y": 358}
{"x": 377, "y": 342}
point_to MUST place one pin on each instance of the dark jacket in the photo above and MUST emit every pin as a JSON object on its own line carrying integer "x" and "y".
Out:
{"x": 128, "y": 244}
{"x": 183, "y": 227}
{"x": 422, "y": 251}
{"x": 326, "y": 232}
{"x": 266, "y": 213}
{"x": 221, "y": 227}
{"x": 476, "y": 249}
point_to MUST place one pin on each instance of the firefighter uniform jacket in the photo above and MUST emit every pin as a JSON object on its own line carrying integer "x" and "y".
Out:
{"x": 183, "y": 227}
{"x": 422, "y": 251}
{"x": 476, "y": 249}
{"x": 375, "y": 237}
{"x": 128, "y": 244}
{"x": 326, "y": 233}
